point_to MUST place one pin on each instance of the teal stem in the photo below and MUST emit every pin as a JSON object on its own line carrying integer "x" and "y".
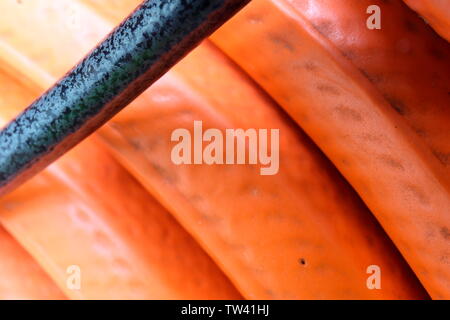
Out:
{"x": 138, "y": 52}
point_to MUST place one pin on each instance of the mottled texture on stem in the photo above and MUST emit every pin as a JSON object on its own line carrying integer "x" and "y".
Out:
{"x": 132, "y": 57}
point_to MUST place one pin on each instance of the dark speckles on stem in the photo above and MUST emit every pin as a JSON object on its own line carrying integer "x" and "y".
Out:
{"x": 63, "y": 90}
{"x": 146, "y": 45}
{"x": 134, "y": 24}
{"x": 125, "y": 58}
